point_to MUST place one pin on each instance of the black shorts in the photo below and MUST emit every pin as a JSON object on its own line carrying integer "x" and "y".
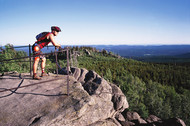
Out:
{"x": 37, "y": 53}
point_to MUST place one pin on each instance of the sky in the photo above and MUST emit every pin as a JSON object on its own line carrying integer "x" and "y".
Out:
{"x": 96, "y": 22}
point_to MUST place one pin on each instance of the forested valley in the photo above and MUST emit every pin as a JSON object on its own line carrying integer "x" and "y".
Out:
{"x": 162, "y": 89}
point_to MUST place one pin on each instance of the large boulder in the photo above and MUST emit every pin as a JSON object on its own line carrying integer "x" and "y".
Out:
{"x": 91, "y": 101}
{"x": 152, "y": 118}
{"x": 134, "y": 117}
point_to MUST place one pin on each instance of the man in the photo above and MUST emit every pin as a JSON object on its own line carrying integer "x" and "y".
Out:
{"x": 42, "y": 41}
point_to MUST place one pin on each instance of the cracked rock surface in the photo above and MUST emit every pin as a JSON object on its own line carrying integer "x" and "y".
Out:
{"x": 91, "y": 101}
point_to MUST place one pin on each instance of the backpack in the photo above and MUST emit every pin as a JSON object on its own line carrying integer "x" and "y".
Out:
{"x": 41, "y": 35}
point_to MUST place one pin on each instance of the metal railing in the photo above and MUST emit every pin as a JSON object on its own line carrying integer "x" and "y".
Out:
{"x": 30, "y": 60}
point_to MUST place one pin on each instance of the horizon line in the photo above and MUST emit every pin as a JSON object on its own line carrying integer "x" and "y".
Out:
{"x": 108, "y": 45}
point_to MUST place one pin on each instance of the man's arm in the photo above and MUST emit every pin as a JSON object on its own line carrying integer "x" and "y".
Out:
{"x": 51, "y": 37}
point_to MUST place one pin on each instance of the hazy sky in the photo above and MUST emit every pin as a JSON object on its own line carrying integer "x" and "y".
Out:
{"x": 87, "y": 22}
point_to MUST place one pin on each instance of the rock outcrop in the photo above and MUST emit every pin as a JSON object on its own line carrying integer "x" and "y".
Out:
{"x": 92, "y": 101}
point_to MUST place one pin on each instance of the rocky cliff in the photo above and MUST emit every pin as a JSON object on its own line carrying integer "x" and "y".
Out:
{"x": 92, "y": 101}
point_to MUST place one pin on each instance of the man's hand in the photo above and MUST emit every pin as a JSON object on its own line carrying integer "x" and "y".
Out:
{"x": 57, "y": 47}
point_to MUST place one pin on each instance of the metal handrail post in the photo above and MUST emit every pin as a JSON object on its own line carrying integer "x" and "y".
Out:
{"x": 67, "y": 71}
{"x": 56, "y": 62}
{"x": 30, "y": 60}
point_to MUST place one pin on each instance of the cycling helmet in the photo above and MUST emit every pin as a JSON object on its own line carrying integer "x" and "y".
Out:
{"x": 55, "y": 28}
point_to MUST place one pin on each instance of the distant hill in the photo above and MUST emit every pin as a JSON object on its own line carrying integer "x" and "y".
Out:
{"x": 133, "y": 50}
{"x": 143, "y": 50}
{"x": 185, "y": 55}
